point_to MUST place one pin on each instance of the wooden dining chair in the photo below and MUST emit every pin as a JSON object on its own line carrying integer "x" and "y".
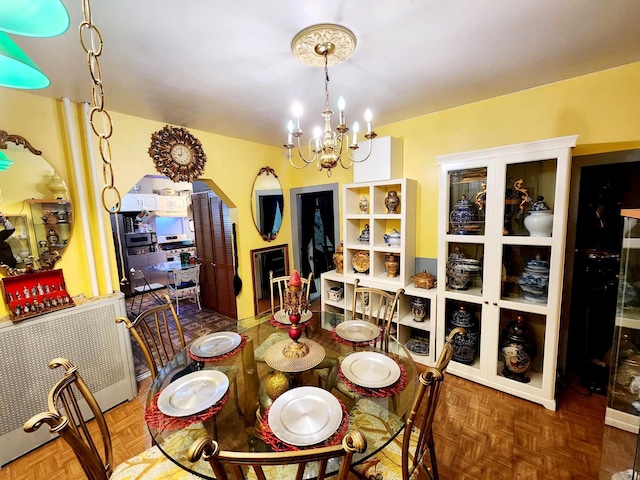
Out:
{"x": 280, "y": 465}
{"x": 70, "y": 404}
{"x": 400, "y": 458}
{"x": 376, "y": 306}
{"x": 158, "y": 332}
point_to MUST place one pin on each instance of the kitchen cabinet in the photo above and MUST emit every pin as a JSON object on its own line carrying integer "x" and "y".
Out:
{"x": 172, "y": 204}
{"x": 623, "y": 396}
{"x": 493, "y": 267}
{"x": 366, "y": 257}
{"x": 135, "y": 202}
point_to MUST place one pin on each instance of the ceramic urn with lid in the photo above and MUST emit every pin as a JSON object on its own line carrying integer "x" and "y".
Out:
{"x": 338, "y": 258}
{"x": 539, "y": 222}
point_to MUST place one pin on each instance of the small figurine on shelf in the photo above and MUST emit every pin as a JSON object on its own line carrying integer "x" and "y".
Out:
{"x": 53, "y": 238}
{"x": 26, "y": 292}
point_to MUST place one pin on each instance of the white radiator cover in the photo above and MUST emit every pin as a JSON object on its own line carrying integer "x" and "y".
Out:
{"x": 88, "y": 336}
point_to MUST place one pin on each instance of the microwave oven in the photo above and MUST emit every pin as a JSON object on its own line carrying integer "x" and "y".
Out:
{"x": 139, "y": 239}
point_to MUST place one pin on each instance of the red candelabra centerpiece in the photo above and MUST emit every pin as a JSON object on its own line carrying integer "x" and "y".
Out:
{"x": 295, "y": 302}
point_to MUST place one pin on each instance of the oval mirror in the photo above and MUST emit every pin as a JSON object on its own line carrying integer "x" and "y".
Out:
{"x": 35, "y": 201}
{"x": 267, "y": 203}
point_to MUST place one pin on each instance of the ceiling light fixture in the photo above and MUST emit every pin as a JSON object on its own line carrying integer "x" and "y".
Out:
{"x": 17, "y": 70}
{"x": 34, "y": 18}
{"x": 324, "y": 45}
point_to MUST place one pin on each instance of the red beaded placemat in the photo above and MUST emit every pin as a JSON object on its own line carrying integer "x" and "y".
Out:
{"x": 156, "y": 419}
{"x": 398, "y": 386}
{"x": 217, "y": 358}
{"x": 280, "y": 446}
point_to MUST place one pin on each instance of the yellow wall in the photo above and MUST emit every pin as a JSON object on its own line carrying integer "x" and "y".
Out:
{"x": 603, "y": 108}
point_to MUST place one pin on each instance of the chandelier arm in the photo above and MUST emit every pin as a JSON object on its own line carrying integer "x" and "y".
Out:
{"x": 353, "y": 160}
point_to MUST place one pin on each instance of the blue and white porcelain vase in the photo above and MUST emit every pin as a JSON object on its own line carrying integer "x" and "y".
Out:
{"x": 534, "y": 281}
{"x": 464, "y": 346}
{"x": 464, "y": 217}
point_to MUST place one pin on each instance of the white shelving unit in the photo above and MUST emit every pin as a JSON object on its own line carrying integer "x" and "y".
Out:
{"x": 406, "y": 327}
{"x": 380, "y": 223}
{"x": 498, "y": 239}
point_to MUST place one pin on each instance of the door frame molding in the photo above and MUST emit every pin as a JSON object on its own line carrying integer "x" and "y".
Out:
{"x": 296, "y": 221}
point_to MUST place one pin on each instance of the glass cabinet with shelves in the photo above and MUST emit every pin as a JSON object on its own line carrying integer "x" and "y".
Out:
{"x": 51, "y": 222}
{"x": 500, "y": 270}
{"x": 19, "y": 240}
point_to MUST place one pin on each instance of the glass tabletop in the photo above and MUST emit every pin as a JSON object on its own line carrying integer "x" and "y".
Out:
{"x": 169, "y": 266}
{"x": 239, "y": 434}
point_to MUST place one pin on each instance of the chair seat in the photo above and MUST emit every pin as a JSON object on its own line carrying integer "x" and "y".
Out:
{"x": 373, "y": 421}
{"x": 271, "y": 340}
{"x": 152, "y": 464}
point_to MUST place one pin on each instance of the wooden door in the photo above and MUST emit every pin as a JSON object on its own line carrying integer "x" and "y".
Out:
{"x": 212, "y": 224}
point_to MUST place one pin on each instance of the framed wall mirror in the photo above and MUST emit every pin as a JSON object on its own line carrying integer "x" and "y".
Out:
{"x": 267, "y": 203}
{"x": 35, "y": 201}
{"x": 264, "y": 260}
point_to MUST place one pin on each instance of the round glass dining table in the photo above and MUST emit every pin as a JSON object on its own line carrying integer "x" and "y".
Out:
{"x": 247, "y": 368}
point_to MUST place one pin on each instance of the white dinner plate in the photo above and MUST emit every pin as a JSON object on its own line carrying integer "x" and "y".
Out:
{"x": 282, "y": 317}
{"x": 193, "y": 393}
{"x": 215, "y": 344}
{"x": 358, "y": 331}
{"x": 370, "y": 369}
{"x": 305, "y": 416}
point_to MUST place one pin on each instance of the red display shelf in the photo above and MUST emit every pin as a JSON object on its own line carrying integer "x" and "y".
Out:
{"x": 35, "y": 294}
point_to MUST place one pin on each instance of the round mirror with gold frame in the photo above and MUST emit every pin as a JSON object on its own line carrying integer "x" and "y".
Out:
{"x": 36, "y": 215}
{"x": 267, "y": 203}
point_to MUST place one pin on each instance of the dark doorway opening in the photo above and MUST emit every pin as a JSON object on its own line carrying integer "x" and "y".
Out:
{"x": 603, "y": 190}
{"x": 317, "y": 231}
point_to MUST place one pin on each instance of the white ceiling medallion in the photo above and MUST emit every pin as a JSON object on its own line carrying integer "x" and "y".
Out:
{"x": 309, "y": 45}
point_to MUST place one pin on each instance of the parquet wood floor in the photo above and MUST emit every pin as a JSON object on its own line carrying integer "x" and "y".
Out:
{"x": 480, "y": 433}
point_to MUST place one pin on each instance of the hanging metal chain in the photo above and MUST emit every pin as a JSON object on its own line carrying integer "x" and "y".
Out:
{"x": 326, "y": 82}
{"x": 91, "y": 41}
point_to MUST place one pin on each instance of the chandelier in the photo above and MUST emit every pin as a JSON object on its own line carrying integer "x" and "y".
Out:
{"x": 324, "y": 45}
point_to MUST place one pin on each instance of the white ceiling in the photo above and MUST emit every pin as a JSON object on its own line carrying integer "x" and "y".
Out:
{"x": 227, "y": 67}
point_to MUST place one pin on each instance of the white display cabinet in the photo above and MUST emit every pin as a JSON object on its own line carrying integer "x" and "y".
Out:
{"x": 405, "y": 327}
{"x": 380, "y": 223}
{"x": 480, "y": 221}
{"x": 623, "y": 395}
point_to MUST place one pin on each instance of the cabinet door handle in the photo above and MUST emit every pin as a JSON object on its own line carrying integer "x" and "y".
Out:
{"x": 495, "y": 304}
{"x": 213, "y": 264}
{"x": 486, "y": 302}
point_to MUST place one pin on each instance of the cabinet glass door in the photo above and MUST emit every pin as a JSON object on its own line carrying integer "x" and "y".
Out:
{"x": 467, "y": 201}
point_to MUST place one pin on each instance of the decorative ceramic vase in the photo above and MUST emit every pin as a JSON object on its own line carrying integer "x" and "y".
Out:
{"x": 464, "y": 217}
{"x": 393, "y": 238}
{"x": 364, "y": 235}
{"x": 392, "y": 264}
{"x": 338, "y": 258}
{"x": 53, "y": 238}
{"x": 363, "y": 204}
{"x": 518, "y": 349}
{"x": 464, "y": 346}
{"x": 392, "y": 201}
{"x": 534, "y": 281}
{"x": 539, "y": 222}
{"x": 418, "y": 308}
{"x": 57, "y": 187}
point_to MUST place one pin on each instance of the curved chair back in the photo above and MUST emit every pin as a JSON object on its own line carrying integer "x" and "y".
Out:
{"x": 425, "y": 403}
{"x": 185, "y": 283}
{"x": 376, "y": 306}
{"x": 290, "y": 464}
{"x": 278, "y": 286}
{"x": 157, "y": 338}
{"x": 65, "y": 417}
